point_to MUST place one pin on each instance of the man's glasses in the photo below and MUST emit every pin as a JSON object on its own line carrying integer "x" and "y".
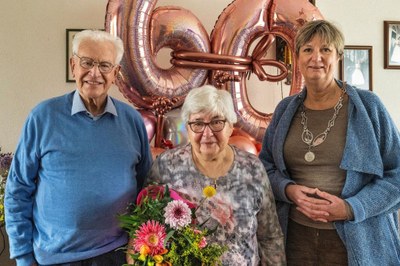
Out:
{"x": 89, "y": 63}
{"x": 214, "y": 125}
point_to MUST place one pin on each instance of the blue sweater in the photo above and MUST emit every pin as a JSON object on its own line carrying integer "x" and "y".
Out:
{"x": 69, "y": 179}
{"x": 371, "y": 159}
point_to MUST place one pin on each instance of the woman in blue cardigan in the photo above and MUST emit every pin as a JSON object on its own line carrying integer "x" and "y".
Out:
{"x": 332, "y": 154}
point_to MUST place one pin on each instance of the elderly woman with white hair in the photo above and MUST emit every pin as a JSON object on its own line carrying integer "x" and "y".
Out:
{"x": 243, "y": 207}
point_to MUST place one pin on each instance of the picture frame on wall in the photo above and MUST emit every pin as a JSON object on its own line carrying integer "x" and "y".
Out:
{"x": 356, "y": 66}
{"x": 391, "y": 31}
{"x": 70, "y": 33}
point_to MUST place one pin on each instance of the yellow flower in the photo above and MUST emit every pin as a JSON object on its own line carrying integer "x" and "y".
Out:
{"x": 158, "y": 258}
{"x": 165, "y": 263}
{"x": 150, "y": 263}
{"x": 142, "y": 257}
{"x": 144, "y": 250}
{"x": 209, "y": 191}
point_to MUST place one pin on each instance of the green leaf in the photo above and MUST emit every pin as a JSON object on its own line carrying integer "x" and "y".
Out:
{"x": 168, "y": 236}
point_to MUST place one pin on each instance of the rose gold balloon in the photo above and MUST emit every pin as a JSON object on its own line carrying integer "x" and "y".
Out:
{"x": 150, "y": 121}
{"x": 174, "y": 128}
{"x": 239, "y": 25}
{"x": 144, "y": 31}
{"x": 240, "y": 132}
{"x": 155, "y": 151}
{"x": 232, "y": 63}
{"x": 243, "y": 143}
{"x": 258, "y": 147}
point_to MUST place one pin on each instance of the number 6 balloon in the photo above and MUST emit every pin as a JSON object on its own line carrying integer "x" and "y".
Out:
{"x": 144, "y": 32}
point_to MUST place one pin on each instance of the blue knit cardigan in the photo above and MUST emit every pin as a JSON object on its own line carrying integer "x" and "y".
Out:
{"x": 371, "y": 159}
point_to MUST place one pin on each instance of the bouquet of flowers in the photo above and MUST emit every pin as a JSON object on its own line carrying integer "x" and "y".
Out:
{"x": 163, "y": 230}
{"x": 5, "y": 163}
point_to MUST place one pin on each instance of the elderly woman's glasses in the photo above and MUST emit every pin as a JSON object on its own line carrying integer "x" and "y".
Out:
{"x": 214, "y": 125}
{"x": 89, "y": 63}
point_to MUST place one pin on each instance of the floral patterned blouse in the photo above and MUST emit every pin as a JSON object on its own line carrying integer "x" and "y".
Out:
{"x": 244, "y": 206}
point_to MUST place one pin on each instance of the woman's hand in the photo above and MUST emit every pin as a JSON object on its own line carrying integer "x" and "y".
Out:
{"x": 317, "y": 205}
{"x": 336, "y": 208}
{"x": 129, "y": 259}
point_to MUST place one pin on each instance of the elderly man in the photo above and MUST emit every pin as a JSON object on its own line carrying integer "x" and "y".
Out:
{"x": 81, "y": 159}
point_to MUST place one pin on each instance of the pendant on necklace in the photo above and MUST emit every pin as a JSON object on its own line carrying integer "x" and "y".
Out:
{"x": 309, "y": 156}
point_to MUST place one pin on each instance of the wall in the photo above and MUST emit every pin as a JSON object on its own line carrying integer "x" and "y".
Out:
{"x": 32, "y": 49}
{"x": 32, "y": 52}
{"x": 362, "y": 24}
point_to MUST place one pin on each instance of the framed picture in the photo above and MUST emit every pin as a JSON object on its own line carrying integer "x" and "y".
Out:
{"x": 391, "y": 49}
{"x": 356, "y": 66}
{"x": 70, "y": 33}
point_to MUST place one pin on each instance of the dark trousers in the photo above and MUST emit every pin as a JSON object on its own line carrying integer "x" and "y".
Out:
{"x": 112, "y": 258}
{"x": 307, "y": 246}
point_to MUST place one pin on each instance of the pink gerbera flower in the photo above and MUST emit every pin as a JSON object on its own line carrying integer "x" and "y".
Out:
{"x": 151, "y": 234}
{"x": 177, "y": 214}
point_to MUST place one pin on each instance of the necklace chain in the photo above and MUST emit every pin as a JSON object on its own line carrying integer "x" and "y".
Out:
{"x": 221, "y": 167}
{"x": 215, "y": 185}
{"x": 308, "y": 137}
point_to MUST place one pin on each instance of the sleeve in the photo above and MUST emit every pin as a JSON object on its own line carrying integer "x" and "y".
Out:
{"x": 154, "y": 173}
{"x": 20, "y": 189}
{"x": 25, "y": 260}
{"x": 145, "y": 163}
{"x": 278, "y": 181}
{"x": 269, "y": 233}
{"x": 386, "y": 186}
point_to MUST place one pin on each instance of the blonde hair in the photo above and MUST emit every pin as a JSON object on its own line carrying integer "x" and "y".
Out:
{"x": 325, "y": 30}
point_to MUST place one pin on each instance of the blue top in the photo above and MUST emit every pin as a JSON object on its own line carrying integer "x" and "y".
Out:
{"x": 70, "y": 176}
{"x": 371, "y": 158}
